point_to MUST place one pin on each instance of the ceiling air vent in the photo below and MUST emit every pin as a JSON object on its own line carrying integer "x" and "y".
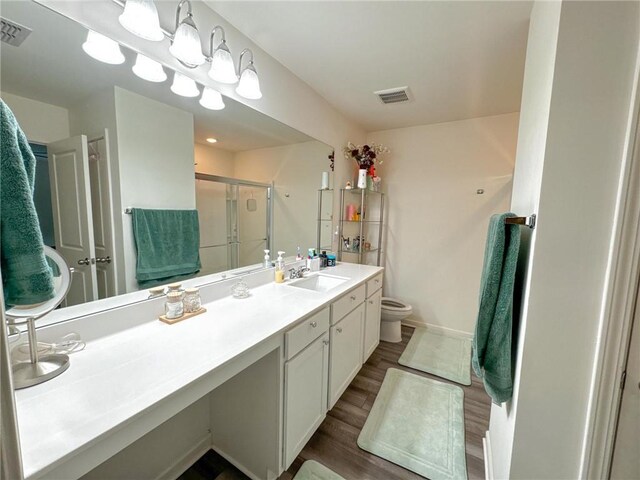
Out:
{"x": 13, "y": 33}
{"x": 393, "y": 95}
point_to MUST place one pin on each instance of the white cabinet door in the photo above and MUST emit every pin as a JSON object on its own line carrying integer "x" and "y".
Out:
{"x": 306, "y": 378}
{"x": 346, "y": 353}
{"x": 371, "y": 335}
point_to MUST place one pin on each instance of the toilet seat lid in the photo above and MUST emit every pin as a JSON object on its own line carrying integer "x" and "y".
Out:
{"x": 393, "y": 304}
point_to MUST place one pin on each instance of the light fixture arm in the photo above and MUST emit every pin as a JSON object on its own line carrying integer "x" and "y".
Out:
{"x": 179, "y": 11}
{"x": 247, "y": 51}
{"x": 211, "y": 38}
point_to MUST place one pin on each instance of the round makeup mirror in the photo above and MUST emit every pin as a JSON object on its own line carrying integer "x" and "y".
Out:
{"x": 41, "y": 368}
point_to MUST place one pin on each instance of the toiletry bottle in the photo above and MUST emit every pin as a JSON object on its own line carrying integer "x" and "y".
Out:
{"x": 323, "y": 259}
{"x": 280, "y": 268}
{"x": 267, "y": 260}
{"x": 299, "y": 254}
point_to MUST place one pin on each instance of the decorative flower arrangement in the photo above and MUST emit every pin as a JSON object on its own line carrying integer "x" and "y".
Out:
{"x": 366, "y": 156}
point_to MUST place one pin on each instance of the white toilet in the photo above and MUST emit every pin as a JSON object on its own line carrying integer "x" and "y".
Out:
{"x": 393, "y": 312}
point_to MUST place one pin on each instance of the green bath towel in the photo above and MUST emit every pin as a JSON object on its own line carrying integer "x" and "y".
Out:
{"x": 168, "y": 245}
{"x": 26, "y": 277}
{"x": 491, "y": 357}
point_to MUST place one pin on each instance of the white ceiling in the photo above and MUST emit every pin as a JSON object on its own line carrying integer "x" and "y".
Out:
{"x": 51, "y": 67}
{"x": 460, "y": 59}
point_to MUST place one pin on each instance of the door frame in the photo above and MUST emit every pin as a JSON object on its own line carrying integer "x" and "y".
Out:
{"x": 618, "y": 310}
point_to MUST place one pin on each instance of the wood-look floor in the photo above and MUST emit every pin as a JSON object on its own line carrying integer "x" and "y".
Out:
{"x": 334, "y": 443}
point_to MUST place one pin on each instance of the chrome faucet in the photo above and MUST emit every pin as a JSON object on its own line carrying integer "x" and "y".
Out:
{"x": 299, "y": 273}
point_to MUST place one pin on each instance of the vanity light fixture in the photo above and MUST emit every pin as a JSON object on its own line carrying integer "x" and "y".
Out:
{"x": 212, "y": 140}
{"x": 148, "y": 69}
{"x": 185, "y": 45}
{"x": 184, "y": 86}
{"x": 249, "y": 85}
{"x": 103, "y": 48}
{"x": 140, "y": 17}
{"x": 211, "y": 99}
{"x": 222, "y": 68}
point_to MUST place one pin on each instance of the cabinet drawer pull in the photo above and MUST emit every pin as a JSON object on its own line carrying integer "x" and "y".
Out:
{"x": 371, "y": 302}
{"x": 339, "y": 329}
{"x": 353, "y": 297}
{"x": 314, "y": 324}
{"x": 377, "y": 280}
{"x": 326, "y": 342}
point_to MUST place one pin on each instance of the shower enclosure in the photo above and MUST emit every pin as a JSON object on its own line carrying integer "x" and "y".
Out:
{"x": 235, "y": 221}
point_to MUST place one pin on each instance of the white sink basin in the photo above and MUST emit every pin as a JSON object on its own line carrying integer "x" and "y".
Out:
{"x": 318, "y": 282}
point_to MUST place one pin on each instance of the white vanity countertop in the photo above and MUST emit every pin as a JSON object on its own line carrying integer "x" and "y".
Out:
{"x": 119, "y": 376}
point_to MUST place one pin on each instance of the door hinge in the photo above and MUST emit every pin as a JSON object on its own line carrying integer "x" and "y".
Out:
{"x": 623, "y": 380}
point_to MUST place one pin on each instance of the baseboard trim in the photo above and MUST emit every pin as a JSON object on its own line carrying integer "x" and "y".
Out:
{"x": 488, "y": 456}
{"x": 187, "y": 460}
{"x": 436, "y": 328}
{"x": 235, "y": 463}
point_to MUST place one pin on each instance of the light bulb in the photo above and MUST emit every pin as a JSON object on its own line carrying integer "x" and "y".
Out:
{"x": 184, "y": 86}
{"x": 186, "y": 45}
{"x": 140, "y": 17}
{"x": 222, "y": 68}
{"x": 249, "y": 85}
{"x": 148, "y": 69}
{"x": 211, "y": 99}
{"x": 102, "y": 48}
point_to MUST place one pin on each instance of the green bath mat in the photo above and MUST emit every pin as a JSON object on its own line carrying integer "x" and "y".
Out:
{"x": 446, "y": 356}
{"x": 312, "y": 470}
{"x": 418, "y": 423}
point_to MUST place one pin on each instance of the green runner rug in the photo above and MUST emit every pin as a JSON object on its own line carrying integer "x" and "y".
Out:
{"x": 312, "y": 470}
{"x": 446, "y": 356}
{"x": 418, "y": 423}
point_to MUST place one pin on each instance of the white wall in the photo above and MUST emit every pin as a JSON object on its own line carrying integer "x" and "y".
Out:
{"x": 156, "y": 171}
{"x": 41, "y": 122}
{"x": 213, "y": 160}
{"x": 436, "y": 222}
{"x": 296, "y": 171}
{"x": 588, "y": 104}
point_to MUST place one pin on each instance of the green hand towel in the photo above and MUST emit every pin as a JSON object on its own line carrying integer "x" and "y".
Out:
{"x": 26, "y": 277}
{"x": 491, "y": 358}
{"x": 168, "y": 245}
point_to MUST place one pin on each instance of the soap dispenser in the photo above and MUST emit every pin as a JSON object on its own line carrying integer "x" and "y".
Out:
{"x": 280, "y": 268}
{"x": 267, "y": 260}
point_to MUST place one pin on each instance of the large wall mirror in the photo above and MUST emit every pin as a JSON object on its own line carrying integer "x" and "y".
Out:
{"x": 107, "y": 141}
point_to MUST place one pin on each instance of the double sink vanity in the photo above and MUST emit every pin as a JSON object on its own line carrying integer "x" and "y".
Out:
{"x": 251, "y": 378}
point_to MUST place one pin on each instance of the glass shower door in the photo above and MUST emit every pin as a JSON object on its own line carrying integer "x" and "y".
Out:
{"x": 235, "y": 220}
{"x": 212, "y": 202}
{"x": 253, "y": 223}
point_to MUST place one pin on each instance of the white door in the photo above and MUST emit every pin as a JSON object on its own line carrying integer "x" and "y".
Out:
{"x": 72, "y": 216}
{"x": 346, "y": 353}
{"x": 626, "y": 454}
{"x": 371, "y": 336}
{"x": 102, "y": 213}
{"x": 306, "y": 377}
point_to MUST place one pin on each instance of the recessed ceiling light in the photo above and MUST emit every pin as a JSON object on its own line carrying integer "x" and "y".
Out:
{"x": 211, "y": 140}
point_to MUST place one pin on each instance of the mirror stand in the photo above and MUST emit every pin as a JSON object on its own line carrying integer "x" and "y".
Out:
{"x": 37, "y": 369}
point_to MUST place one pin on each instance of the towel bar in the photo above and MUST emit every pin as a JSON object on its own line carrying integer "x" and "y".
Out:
{"x": 128, "y": 210}
{"x": 527, "y": 221}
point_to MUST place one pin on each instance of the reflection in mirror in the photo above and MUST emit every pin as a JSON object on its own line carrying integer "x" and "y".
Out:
{"x": 39, "y": 366}
{"x": 106, "y": 140}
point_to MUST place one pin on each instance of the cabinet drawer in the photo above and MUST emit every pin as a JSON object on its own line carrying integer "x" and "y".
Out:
{"x": 374, "y": 284}
{"x": 347, "y": 303}
{"x": 302, "y": 335}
